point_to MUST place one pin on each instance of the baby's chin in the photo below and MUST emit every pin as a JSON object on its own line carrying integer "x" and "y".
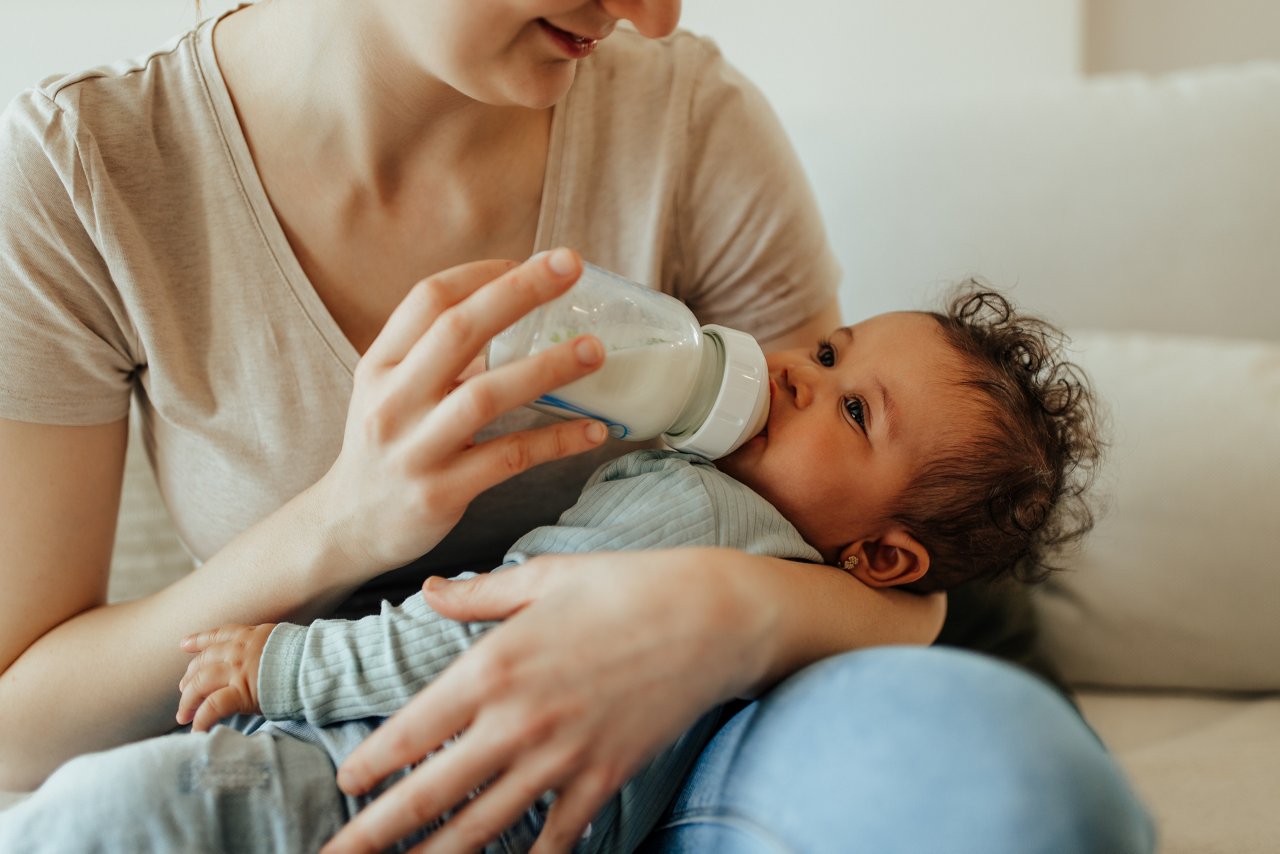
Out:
{"x": 740, "y": 464}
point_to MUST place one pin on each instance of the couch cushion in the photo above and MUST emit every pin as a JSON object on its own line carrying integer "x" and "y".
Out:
{"x": 1178, "y": 585}
{"x": 1208, "y": 767}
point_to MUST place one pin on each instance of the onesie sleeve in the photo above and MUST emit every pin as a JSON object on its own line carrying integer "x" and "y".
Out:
{"x": 753, "y": 244}
{"x": 339, "y": 670}
{"x": 63, "y": 340}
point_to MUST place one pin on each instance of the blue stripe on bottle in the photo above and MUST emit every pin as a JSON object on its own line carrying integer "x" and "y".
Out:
{"x": 616, "y": 430}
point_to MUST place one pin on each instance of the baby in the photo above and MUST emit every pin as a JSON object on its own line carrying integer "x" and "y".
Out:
{"x": 915, "y": 449}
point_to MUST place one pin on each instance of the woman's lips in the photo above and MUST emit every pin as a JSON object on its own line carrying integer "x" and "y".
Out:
{"x": 572, "y": 45}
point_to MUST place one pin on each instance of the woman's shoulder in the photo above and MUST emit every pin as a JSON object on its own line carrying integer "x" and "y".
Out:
{"x": 123, "y": 101}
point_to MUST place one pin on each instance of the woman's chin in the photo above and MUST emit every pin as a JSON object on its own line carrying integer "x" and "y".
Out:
{"x": 545, "y": 87}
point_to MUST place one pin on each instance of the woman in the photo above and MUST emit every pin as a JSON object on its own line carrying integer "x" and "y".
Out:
{"x": 223, "y": 232}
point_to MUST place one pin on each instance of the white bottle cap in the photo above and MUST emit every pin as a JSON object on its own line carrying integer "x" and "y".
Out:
{"x": 742, "y": 402}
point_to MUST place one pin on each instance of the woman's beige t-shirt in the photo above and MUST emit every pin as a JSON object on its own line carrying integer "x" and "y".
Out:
{"x": 140, "y": 258}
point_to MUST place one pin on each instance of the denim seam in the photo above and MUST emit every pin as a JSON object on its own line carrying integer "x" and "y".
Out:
{"x": 731, "y": 819}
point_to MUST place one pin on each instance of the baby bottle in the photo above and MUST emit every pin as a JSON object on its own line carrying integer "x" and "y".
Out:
{"x": 704, "y": 390}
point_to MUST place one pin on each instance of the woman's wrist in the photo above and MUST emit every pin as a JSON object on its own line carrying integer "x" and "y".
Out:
{"x": 739, "y": 607}
{"x": 328, "y": 563}
{"x": 792, "y": 614}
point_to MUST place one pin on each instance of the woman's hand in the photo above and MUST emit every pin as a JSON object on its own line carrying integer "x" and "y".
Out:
{"x": 222, "y": 679}
{"x": 409, "y": 465}
{"x": 602, "y": 661}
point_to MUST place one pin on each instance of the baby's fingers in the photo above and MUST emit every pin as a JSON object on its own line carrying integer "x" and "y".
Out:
{"x": 197, "y": 684}
{"x": 202, "y": 640}
{"x": 222, "y": 703}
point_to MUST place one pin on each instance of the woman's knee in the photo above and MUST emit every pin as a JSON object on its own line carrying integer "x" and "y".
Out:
{"x": 911, "y": 749}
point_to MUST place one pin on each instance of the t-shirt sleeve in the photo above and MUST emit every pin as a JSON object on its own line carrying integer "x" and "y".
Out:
{"x": 754, "y": 247}
{"x": 66, "y": 356}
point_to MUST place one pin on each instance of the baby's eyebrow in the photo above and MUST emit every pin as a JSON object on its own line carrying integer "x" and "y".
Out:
{"x": 887, "y": 412}
{"x": 843, "y": 330}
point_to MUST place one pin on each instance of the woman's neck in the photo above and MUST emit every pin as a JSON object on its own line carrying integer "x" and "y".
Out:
{"x": 325, "y": 84}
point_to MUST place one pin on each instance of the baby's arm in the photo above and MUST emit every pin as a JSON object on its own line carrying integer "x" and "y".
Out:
{"x": 338, "y": 670}
{"x": 329, "y": 671}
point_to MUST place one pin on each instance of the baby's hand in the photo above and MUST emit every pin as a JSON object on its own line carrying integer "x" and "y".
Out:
{"x": 222, "y": 679}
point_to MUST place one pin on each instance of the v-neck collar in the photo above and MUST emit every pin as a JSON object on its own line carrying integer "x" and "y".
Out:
{"x": 259, "y": 204}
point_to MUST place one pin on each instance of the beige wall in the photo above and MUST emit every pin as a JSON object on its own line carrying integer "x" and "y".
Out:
{"x": 1163, "y": 35}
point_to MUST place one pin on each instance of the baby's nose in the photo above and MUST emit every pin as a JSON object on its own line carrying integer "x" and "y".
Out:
{"x": 800, "y": 384}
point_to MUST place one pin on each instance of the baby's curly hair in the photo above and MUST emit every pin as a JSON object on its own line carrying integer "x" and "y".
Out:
{"x": 1006, "y": 501}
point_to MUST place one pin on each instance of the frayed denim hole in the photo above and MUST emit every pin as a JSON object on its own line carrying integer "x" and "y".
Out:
{"x": 203, "y": 775}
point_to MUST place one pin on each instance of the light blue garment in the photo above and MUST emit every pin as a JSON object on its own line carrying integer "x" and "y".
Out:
{"x": 906, "y": 750}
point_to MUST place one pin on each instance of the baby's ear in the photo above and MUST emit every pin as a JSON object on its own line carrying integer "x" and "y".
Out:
{"x": 890, "y": 560}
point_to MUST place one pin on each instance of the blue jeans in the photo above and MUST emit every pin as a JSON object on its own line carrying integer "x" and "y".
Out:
{"x": 904, "y": 749}
{"x": 885, "y": 750}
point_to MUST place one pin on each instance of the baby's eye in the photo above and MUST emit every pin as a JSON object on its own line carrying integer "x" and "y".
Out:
{"x": 854, "y": 406}
{"x": 826, "y": 353}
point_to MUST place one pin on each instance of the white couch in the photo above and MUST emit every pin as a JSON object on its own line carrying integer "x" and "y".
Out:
{"x": 1144, "y": 215}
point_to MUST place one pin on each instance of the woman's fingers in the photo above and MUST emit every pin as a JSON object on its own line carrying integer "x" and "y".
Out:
{"x": 571, "y": 812}
{"x": 435, "y": 715}
{"x": 439, "y": 784}
{"x": 484, "y": 397}
{"x": 574, "y": 706}
{"x": 492, "y": 462}
{"x": 424, "y": 303}
{"x": 491, "y": 596}
{"x": 463, "y": 329}
{"x": 478, "y": 467}
{"x": 497, "y": 807}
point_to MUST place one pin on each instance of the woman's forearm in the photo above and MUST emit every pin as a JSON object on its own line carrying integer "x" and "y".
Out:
{"x": 110, "y": 674}
{"x": 809, "y": 612}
